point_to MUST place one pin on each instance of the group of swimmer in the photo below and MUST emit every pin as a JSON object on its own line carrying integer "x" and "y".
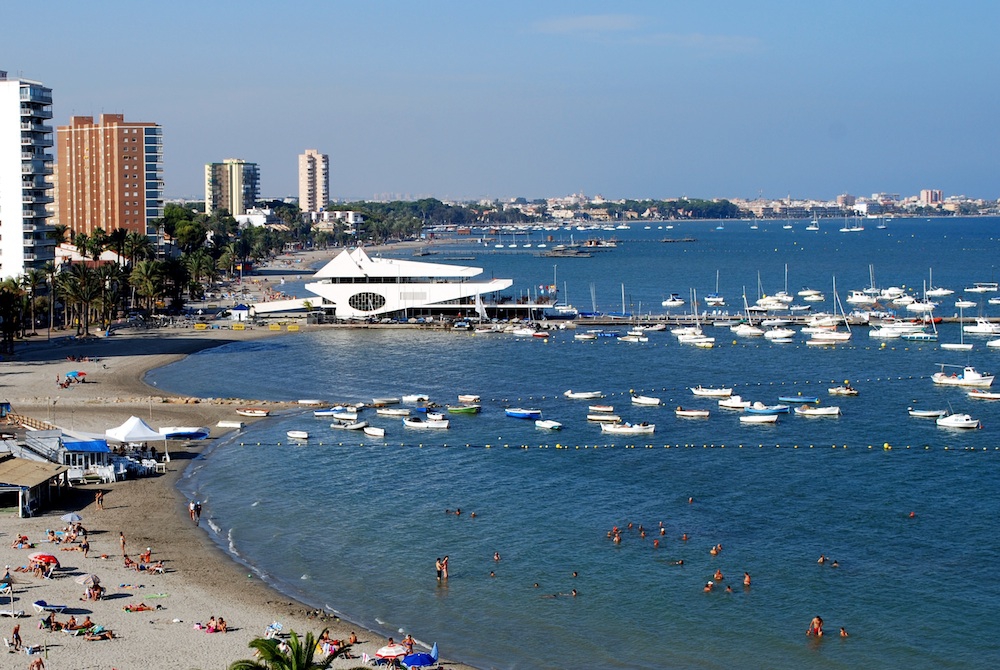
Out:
{"x": 816, "y": 628}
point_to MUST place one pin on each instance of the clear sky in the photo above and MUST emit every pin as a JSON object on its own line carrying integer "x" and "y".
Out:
{"x": 469, "y": 99}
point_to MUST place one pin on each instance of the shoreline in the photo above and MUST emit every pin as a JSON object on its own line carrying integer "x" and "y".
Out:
{"x": 201, "y": 578}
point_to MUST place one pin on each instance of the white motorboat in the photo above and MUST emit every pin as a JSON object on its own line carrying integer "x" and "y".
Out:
{"x": 604, "y": 418}
{"x": 965, "y": 304}
{"x": 468, "y": 398}
{"x": 829, "y": 410}
{"x": 983, "y": 287}
{"x": 382, "y": 402}
{"x": 347, "y": 417}
{"x": 645, "y": 400}
{"x": 968, "y": 377}
{"x": 392, "y": 411}
{"x": 633, "y": 338}
{"x": 734, "y": 402}
{"x": 993, "y": 343}
{"x": 982, "y": 326}
{"x": 747, "y": 330}
{"x": 583, "y": 395}
{"x": 759, "y": 418}
{"x": 353, "y": 425}
{"x": 548, "y": 424}
{"x": 976, "y": 394}
{"x": 374, "y": 431}
{"x": 958, "y": 421}
{"x": 417, "y": 422}
{"x": 416, "y": 397}
{"x": 297, "y": 434}
{"x": 673, "y": 301}
{"x": 585, "y": 336}
{"x": 691, "y": 413}
{"x": 311, "y": 401}
{"x": 712, "y": 392}
{"x": 780, "y": 334}
{"x": 608, "y": 409}
{"x": 846, "y": 390}
{"x": 628, "y": 428}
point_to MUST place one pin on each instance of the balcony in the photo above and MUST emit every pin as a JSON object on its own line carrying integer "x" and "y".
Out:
{"x": 36, "y": 94}
{"x": 35, "y": 127}
{"x": 36, "y": 199}
{"x": 35, "y": 112}
{"x": 29, "y": 257}
{"x": 29, "y": 228}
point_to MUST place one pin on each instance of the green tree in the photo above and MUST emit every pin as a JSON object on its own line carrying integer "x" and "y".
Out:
{"x": 82, "y": 286}
{"x": 147, "y": 281}
{"x": 300, "y": 655}
{"x": 33, "y": 279}
{"x": 189, "y": 235}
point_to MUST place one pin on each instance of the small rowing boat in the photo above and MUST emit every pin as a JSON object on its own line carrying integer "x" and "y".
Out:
{"x": 374, "y": 431}
{"x": 710, "y": 392}
{"x": 759, "y": 418}
{"x": 252, "y": 411}
{"x": 548, "y": 424}
{"x": 691, "y": 413}
{"x": 298, "y": 434}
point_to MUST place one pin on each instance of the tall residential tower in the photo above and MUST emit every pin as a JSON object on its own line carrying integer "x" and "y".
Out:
{"x": 314, "y": 181}
{"x": 233, "y": 185}
{"x": 110, "y": 175}
{"x": 25, "y": 165}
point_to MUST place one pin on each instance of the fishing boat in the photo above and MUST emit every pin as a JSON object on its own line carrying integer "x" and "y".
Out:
{"x": 759, "y": 418}
{"x": 548, "y": 424}
{"x": 926, "y": 413}
{"x": 464, "y": 409}
{"x": 829, "y": 410}
{"x": 392, "y": 411}
{"x": 691, "y": 413}
{"x": 523, "y": 413}
{"x": 353, "y": 425}
{"x": 712, "y": 392}
{"x": 311, "y": 401}
{"x": 846, "y": 390}
{"x": 734, "y": 402}
{"x": 982, "y": 326}
{"x": 416, "y": 397}
{"x": 607, "y": 409}
{"x": 762, "y": 409}
{"x": 976, "y": 394}
{"x": 297, "y": 434}
{"x": 583, "y": 395}
{"x": 468, "y": 398}
{"x": 383, "y": 402}
{"x": 798, "y": 398}
{"x": 374, "y": 431}
{"x": 645, "y": 400}
{"x": 964, "y": 421}
{"x": 417, "y": 422}
{"x": 604, "y": 417}
{"x": 968, "y": 377}
{"x": 628, "y": 428}
{"x": 585, "y": 336}
{"x": 633, "y": 338}
{"x": 252, "y": 411}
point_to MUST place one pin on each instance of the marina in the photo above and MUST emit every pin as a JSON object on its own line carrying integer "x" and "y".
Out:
{"x": 853, "y": 478}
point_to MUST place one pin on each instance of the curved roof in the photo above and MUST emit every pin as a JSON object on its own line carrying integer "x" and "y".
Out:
{"x": 357, "y": 263}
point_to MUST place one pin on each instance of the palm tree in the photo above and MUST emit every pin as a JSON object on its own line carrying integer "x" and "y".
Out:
{"x": 199, "y": 265}
{"x": 82, "y": 286}
{"x": 300, "y": 655}
{"x": 147, "y": 280}
{"x": 33, "y": 278}
{"x": 50, "y": 278}
{"x": 138, "y": 247}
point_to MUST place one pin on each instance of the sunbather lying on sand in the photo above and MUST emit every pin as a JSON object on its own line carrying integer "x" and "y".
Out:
{"x": 103, "y": 635}
{"x": 141, "y": 607}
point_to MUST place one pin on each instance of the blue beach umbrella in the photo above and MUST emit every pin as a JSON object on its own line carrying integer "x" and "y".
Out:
{"x": 73, "y": 373}
{"x": 421, "y": 659}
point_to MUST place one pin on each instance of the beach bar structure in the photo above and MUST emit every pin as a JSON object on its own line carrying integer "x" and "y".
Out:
{"x": 28, "y": 484}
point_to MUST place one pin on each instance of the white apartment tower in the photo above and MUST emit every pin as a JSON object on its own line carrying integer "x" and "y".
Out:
{"x": 314, "y": 181}
{"x": 233, "y": 185}
{"x": 25, "y": 169}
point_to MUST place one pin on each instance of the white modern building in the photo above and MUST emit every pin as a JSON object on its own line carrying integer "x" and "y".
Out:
{"x": 25, "y": 170}
{"x": 356, "y": 286}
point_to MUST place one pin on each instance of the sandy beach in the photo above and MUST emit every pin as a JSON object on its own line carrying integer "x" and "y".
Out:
{"x": 200, "y": 580}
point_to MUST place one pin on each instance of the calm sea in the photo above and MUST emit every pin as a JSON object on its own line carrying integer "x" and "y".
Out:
{"x": 354, "y": 524}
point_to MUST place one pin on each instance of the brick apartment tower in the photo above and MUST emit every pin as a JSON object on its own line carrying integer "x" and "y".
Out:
{"x": 314, "y": 181}
{"x": 109, "y": 175}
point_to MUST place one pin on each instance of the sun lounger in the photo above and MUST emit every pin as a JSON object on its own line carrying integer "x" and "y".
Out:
{"x": 76, "y": 632}
{"x": 42, "y": 606}
{"x": 12, "y": 613}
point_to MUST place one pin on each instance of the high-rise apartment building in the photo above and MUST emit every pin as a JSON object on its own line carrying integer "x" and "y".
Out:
{"x": 929, "y": 197}
{"x": 110, "y": 174}
{"x": 314, "y": 181}
{"x": 233, "y": 185}
{"x": 25, "y": 169}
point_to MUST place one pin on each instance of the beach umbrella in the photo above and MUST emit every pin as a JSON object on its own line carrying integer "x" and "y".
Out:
{"x": 418, "y": 660}
{"x": 391, "y": 651}
{"x": 73, "y": 373}
{"x": 42, "y": 557}
{"x": 88, "y": 579}
{"x": 72, "y": 517}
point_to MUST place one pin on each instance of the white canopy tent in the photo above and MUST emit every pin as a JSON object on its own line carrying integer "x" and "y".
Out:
{"x": 137, "y": 430}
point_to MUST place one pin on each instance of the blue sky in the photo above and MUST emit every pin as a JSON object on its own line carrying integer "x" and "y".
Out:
{"x": 503, "y": 99}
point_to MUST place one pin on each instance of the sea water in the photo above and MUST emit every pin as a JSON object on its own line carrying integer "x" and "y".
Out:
{"x": 354, "y": 524}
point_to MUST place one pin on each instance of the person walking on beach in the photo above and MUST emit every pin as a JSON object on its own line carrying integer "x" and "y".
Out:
{"x": 121, "y": 540}
{"x": 99, "y": 499}
{"x": 191, "y": 509}
{"x": 197, "y": 511}
{"x": 15, "y": 637}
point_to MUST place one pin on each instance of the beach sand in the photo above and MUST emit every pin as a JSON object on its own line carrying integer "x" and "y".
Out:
{"x": 200, "y": 579}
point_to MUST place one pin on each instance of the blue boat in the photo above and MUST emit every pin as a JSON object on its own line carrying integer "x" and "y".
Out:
{"x": 798, "y": 398}
{"x": 522, "y": 413}
{"x": 761, "y": 408}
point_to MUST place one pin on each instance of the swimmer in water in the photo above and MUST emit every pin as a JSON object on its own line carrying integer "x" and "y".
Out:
{"x": 843, "y": 633}
{"x": 822, "y": 559}
{"x": 746, "y": 579}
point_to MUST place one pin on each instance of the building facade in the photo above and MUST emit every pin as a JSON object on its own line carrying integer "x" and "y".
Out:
{"x": 25, "y": 174}
{"x": 314, "y": 181}
{"x": 232, "y": 185}
{"x": 109, "y": 175}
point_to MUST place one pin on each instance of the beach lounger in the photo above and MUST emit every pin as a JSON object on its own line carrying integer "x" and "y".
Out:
{"x": 272, "y": 631}
{"x": 15, "y": 614}
{"x": 42, "y": 606}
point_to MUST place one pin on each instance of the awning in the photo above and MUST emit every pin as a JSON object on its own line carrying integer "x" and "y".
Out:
{"x": 23, "y": 473}
{"x": 88, "y": 447}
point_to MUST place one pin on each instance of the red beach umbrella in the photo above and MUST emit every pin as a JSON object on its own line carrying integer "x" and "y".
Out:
{"x": 41, "y": 557}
